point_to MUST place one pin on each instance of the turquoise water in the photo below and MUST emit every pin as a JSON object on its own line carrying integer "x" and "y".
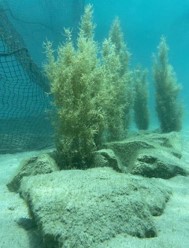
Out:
{"x": 143, "y": 23}
{"x": 25, "y": 100}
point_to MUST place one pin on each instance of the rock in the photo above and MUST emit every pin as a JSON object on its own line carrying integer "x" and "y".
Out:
{"x": 155, "y": 195}
{"x": 106, "y": 158}
{"x": 76, "y": 208}
{"x": 42, "y": 164}
{"x": 159, "y": 164}
{"x": 149, "y": 155}
{"x": 170, "y": 141}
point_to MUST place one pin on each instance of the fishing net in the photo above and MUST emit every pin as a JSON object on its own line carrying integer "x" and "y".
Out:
{"x": 23, "y": 101}
{"x": 24, "y": 90}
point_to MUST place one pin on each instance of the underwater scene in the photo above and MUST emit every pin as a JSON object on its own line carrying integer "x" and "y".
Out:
{"x": 94, "y": 136}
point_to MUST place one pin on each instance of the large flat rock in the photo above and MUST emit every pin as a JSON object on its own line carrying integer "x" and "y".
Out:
{"x": 77, "y": 208}
{"x": 149, "y": 155}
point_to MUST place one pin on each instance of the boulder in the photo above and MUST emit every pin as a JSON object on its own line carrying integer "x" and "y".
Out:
{"x": 41, "y": 164}
{"x": 149, "y": 155}
{"x": 83, "y": 208}
{"x": 157, "y": 163}
{"x": 106, "y": 158}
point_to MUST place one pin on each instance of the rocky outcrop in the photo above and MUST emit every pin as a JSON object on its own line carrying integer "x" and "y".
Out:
{"x": 84, "y": 208}
{"x": 150, "y": 155}
{"x": 77, "y": 208}
{"x": 42, "y": 164}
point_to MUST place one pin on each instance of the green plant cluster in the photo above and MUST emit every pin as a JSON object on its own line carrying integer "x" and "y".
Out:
{"x": 95, "y": 91}
{"x": 117, "y": 83}
{"x": 89, "y": 94}
{"x": 141, "y": 112}
{"x": 168, "y": 107}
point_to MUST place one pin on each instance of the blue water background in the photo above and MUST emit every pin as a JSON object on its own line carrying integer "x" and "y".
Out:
{"x": 143, "y": 23}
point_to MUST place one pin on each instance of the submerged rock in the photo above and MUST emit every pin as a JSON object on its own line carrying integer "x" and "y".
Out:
{"x": 150, "y": 155}
{"x": 159, "y": 164}
{"x": 77, "y": 208}
{"x": 42, "y": 164}
{"x": 106, "y": 158}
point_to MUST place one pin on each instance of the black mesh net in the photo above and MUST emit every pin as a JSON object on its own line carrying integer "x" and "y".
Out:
{"x": 23, "y": 99}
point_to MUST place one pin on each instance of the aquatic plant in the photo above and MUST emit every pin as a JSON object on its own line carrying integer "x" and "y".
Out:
{"x": 115, "y": 92}
{"x": 168, "y": 106}
{"x": 118, "y": 82}
{"x": 141, "y": 112}
{"x": 76, "y": 77}
{"x": 117, "y": 38}
{"x": 92, "y": 92}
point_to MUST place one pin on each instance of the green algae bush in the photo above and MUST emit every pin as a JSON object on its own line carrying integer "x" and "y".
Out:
{"x": 168, "y": 107}
{"x": 95, "y": 92}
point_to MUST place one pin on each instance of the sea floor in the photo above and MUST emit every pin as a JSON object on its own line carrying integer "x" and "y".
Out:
{"x": 172, "y": 225}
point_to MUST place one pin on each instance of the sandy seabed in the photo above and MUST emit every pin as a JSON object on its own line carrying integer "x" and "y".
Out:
{"x": 172, "y": 225}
